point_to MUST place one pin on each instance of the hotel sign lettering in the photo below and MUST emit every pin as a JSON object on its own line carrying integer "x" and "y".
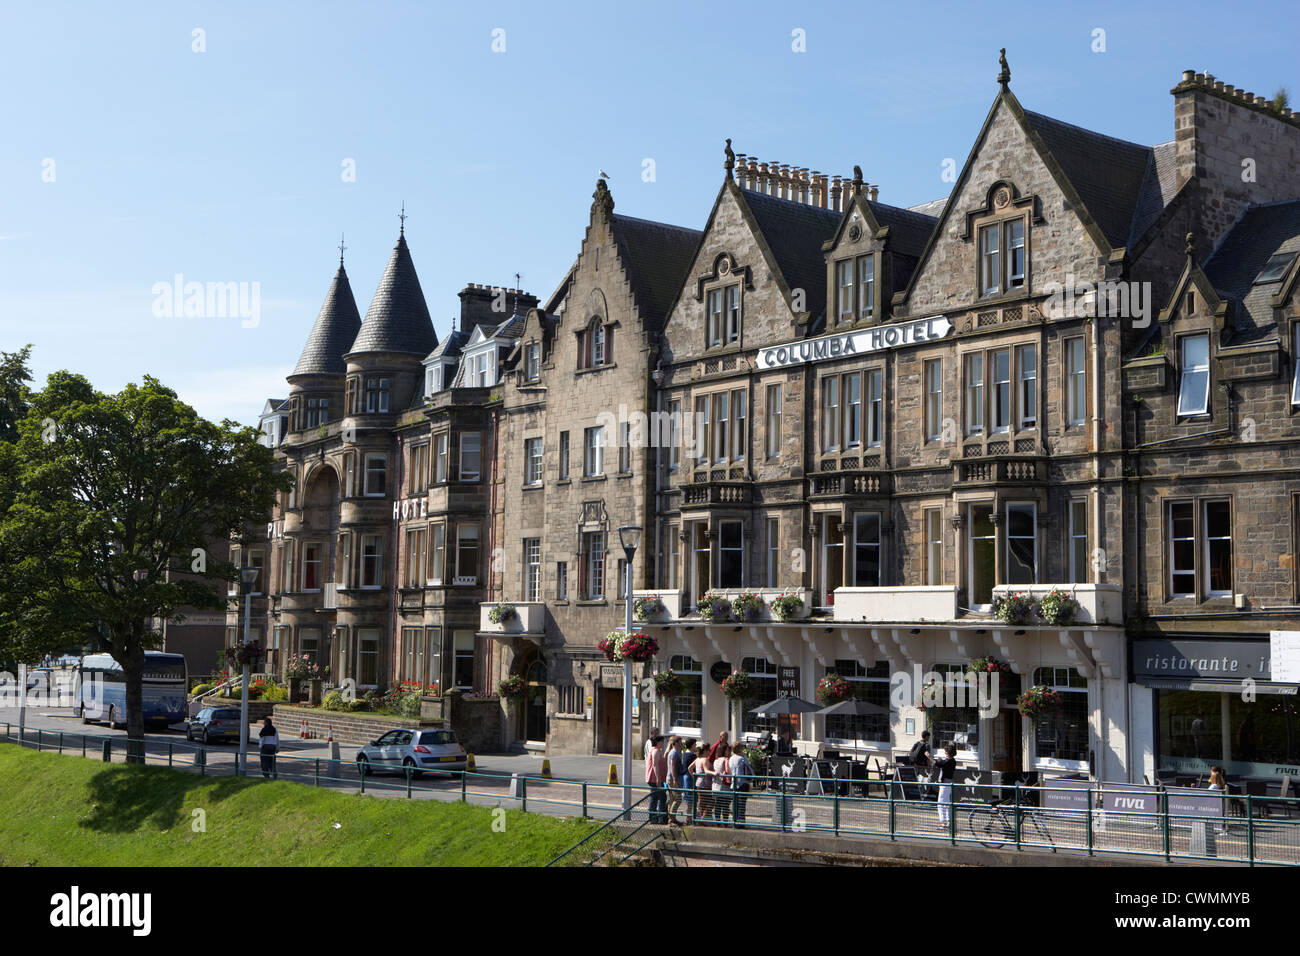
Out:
{"x": 861, "y": 342}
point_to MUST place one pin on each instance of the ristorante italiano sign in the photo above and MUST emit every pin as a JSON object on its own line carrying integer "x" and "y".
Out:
{"x": 861, "y": 342}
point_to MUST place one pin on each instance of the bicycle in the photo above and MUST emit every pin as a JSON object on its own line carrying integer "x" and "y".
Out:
{"x": 995, "y": 828}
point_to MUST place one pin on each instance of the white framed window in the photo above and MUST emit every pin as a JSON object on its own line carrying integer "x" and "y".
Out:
{"x": 1079, "y": 565}
{"x": 1217, "y": 522}
{"x": 440, "y": 458}
{"x": 376, "y": 476}
{"x": 982, "y": 554}
{"x": 1027, "y": 366}
{"x": 463, "y": 659}
{"x": 740, "y": 424}
{"x": 471, "y": 458}
{"x": 674, "y": 434}
{"x": 934, "y": 547}
{"x": 721, "y": 424}
{"x": 686, "y": 708}
{"x": 1001, "y": 411}
{"x": 1295, "y": 355}
{"x": 990, "y": 260}
{"x": 934, "y": 399}
{"x": 532, "y": 569}
{"x": 866, "y": 683}
{"x": 974, "y": 393}
{"x": 773, "y": 437}
{"x": 714, "y": 317}
{"x": 1182, "y": 549}
{"x": 433, "y": 380}
{"x": 875, "y": 407}
{"x": 703, "y": 431}
{"x": 597, "y": 344}
{"x": 844, "y": 290}
{"x": 832, "y": 557}
{"x": 1014, "y": 238}
{"x": 1003, "y": 260}
{"x": 437, "y": 553}
{"x": 1022, "y": 542}
{"x": 593, "y": 553}
{"x": 1061, "y": 736}
{"x": 1076, "y": 381}
{"x": 773, "y": 563}
{"x": 415, "y": 557}
{"x": 830, "y": 413}
{"x": 467, "y": 549}
{"x": 593, "y": 452}
{"x": 372, "y": 560}
{"x": 564, "y": 456}
{"x": 733, "y": 313}
{"x": 624, "y": 448}
{"x": 674, "y": 556}
{"x": 1194, "y": 380}
{"x": 866, "y": 286}
{"x": 532, "y": 362}
{"x": 852, "y": 388}
{"x": 376, "y": 395}
{"x": 532, "y": 461}
{"x": 866, "y": 549}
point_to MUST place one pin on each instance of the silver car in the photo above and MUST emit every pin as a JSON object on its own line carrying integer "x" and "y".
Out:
{"x": 415, "y": 750}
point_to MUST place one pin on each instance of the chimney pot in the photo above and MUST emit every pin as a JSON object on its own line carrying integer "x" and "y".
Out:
{"x": 1218, "y": 85}
{"x": 1188, "y": 75}
{"x": 873, "y": 192}
{"x": 1200, "y": 77}
{"x": 1229, "y": 89}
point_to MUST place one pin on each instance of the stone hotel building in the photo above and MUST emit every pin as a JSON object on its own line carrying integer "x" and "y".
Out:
{"x": 1078, "y": 371}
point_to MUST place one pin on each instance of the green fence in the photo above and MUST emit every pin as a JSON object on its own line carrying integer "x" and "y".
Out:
{"x": 1085, "y": 818}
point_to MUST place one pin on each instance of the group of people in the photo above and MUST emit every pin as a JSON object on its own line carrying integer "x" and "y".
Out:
{"x": 711, "y": 781}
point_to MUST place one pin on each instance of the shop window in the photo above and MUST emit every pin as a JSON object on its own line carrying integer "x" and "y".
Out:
{"x": 872, "y": 685}
{"x": 1063, "y": 735}
{"x": 763, "y": 673}
{"x": 686, "y": 708}
{"x": 955, "y": 718}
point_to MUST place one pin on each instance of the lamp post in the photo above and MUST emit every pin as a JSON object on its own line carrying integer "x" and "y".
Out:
{"x": 630, "y": 537}
{"x": 247, "y": 579}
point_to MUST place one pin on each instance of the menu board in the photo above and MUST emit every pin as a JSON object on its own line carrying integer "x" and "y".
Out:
{"x": 1284, "y": 656}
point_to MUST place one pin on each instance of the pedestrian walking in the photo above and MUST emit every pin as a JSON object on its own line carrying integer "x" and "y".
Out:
{"x": 741, "y": 772}
{"x": 920, "y": 755}
{"x": 656, "y": 775}
{"x": 702, "y": 772}
{"x": 722, "y": 785}
{"x": 649, "y": 742}
{"x": 947, "y": 765}
{"x": 676, "y": 774}
{"x": 268, "y": 742}
{"x": 722, "y": 741}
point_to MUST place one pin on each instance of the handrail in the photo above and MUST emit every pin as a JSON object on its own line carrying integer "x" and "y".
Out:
{"x": 608, "y": 824}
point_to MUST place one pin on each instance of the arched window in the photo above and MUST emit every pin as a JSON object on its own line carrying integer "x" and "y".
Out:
{"x": 597, "y": 342}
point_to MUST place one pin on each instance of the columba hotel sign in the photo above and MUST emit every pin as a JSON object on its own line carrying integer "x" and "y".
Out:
{"x": 861, "y": 342}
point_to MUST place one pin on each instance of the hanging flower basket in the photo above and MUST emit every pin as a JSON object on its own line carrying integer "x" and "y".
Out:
{"x": 989, "y": 665}
{"x": 512, "y": 686}
{"x": 1038, "y": 701}
{"x": 1017, "y": 608}
{"x": 747, "y": 607}
{"x": 714, "y": 607}
{"x": 832, "y": 689}
{"x": 500, "y": 613}
{"x": 248, "y": 654}
{"x": 645, "y": 608}
{"x": 1058, "y": 608}
{"x": 738, "y": 685}
{"x": 787, "y": 607}
{"x": 635, "y": 647}
{"x": 667, "y": 684}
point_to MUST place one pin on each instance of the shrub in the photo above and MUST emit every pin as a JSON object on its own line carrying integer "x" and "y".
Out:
{"x": 275, "y": 693}
{"x": 300, "y": 666}
{"x": 201, "y": 689}
{"x": 334, "y": 701}
{"x": 353, "y": 706}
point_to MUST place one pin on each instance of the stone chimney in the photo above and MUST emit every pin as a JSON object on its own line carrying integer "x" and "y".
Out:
{"x": 1239, "y": 149}
{"x": 872, "y": 193}
{"x": 478, "y": 305}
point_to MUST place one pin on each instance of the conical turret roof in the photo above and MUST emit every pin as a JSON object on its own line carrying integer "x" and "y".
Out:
{"x": 333, "y": 333}
{"x": 398, "y": 318}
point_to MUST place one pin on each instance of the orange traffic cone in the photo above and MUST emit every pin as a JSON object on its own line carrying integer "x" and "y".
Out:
{"x": 302, "y": 731}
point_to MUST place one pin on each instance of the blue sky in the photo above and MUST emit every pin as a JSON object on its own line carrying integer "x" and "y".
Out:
{"x": 227, "y": 165}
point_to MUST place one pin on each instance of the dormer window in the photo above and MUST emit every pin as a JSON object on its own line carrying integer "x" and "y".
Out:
{"x": 532, "y": 362}
{"x": 433, "y": 381}
{"x": 1194, "y": 380}
{"x": 376, "y": 395}
{"x": 1002, "y": 257}
{"x": 855, "y": 288}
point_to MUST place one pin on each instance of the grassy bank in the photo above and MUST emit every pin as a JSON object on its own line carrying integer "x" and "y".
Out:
{"x": 66, "y": 811}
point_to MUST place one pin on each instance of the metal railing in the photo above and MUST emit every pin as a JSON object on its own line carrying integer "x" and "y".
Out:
{"x": 1084, "y": 818}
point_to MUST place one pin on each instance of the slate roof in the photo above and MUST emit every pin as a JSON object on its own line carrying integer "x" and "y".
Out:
{"x": 795, "y": 232}
{"x": 1158, "y": 188}
{"x": 511, "y": 328}
{"x": 1241, "y": 255}
{"x": 934, "y": 207}
{"x": 332, "y": 333}
{"x": 450, "y": 347}
{"x": 1107, "y": 173}
{"x": 909, "y": 231}
{"x": 398, "y": 318}
{"x": 656, "y": 258}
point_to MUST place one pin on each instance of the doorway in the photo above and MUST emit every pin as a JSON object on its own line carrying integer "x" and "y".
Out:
{"x": 611, "y": 721}
{"x": 1007, "y": 727}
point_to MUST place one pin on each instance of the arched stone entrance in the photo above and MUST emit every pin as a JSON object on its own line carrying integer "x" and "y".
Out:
{"x": 531, "y": 666}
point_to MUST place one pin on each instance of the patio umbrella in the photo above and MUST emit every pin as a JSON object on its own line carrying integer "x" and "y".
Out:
{"x": 786, "y": 705}
{"x": 853, "y": 707}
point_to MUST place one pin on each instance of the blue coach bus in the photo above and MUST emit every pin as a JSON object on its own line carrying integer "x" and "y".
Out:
{"x": 103, "y": 689}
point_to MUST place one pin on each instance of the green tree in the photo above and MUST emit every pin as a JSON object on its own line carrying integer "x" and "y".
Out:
{"x": 114, "y": 499}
